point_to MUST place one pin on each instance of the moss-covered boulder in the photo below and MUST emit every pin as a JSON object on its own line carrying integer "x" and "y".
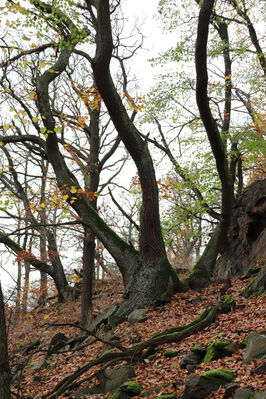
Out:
{"x": 200, "y": 386}
{"x": 168, "y": 396}
{"x": 220, "y": 376}
{"x": 215, "y": 351}
{"x": 127, "y": 390}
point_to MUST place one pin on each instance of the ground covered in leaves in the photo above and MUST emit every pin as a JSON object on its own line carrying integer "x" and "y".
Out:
{"x": 248, "y": 316}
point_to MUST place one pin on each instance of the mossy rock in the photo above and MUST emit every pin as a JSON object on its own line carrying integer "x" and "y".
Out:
{"x": 151, "y": 357}
{"x": 220, "y": 376}
{"x": 168, "y": 396}
{"x": 215, "y": 351}
{"x": 131, "y": 387}
{"x": 170, "y": 353}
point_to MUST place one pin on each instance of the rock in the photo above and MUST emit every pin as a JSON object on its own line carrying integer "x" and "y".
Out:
{"x": 127, "y": 390}
{"x": 200, "y": 386}
{"x": 191, "y": 368}
{"x": 156, "y": 389}
{"x": 215, "y": 351}
{"x": 231, "y": 348}
{"x": 244, "y": 393}
{"x": 197, "y": 387}
{"x": 247, "y": 233}
{"x": 111, "y": 379}
{"x": 40, "y": 365}
{"x": 137, "y": 316}
{"x": 260, "y": 369}
{"x": 256, "y": 347}
{"x": 229, "y": 390}
{"x": 57, "y": 342}
{"x": 192, "y": 358}
{"x": 257, "y": 286}
{"x": 201, "y": 350}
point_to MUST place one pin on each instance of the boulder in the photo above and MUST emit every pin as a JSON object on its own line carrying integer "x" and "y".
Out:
{"x": 200, "y": 386}
{"x": 110, "y": 380}
{"x": 244, "y": 393}
{"x": 256, "y": 347}
{"x": 247, "y": 233}
{"x": 137, "y": 316}
{"x": 260, "y": 369}
{"x": 192, "y": 358}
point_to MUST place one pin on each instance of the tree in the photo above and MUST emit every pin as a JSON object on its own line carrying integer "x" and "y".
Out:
{"x": 4, "y": 363}
{"x": 147, "y": 274}
{"x": 217, "y": 95}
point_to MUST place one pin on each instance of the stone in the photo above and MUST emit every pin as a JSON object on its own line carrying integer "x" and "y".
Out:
{"x": 260, "y": 369}
{"x": 40, "y": 365}
{"x": 244, "y": 393}
{"x": 111, "y": 379}
{"x": 256, "y": 347}
{"x": 246, "y": 234}
{"x": 192, "y": 358}
{"x": 197, "y": 387}
{"x": 57, "y": 342}
{"x": 229, "y": 390}
{"x": 201, "y": 350}
{"x": 137, "y": 316}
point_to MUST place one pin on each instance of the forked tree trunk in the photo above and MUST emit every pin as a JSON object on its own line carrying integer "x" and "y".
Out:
{"x": 147, "y": 274}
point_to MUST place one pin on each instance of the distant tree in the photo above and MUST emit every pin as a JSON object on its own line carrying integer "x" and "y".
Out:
{"x": 4, "y": 362}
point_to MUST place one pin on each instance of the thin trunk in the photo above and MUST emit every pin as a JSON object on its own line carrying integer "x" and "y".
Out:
{"x": 4, "y": 362}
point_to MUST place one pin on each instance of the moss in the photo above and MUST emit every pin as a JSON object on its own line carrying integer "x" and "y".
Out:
{"x": 170, "y": 353}
{"x": 252, "y": 271}
{"x": 198, "y": 271}
{"x": 168, "y": 396}
{"x": 131, "y": 387}
{"x": 220, "y": 376}
{"x": 115, "y": 394}
{"x": 228, "y": 300}
{"x": 253, "y": 282}
{"x": 151, "y": 357}
{"x": 244, "y": 342}
{"x": 214, "y": 351}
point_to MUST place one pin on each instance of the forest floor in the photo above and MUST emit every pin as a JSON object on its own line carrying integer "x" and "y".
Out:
{"x": 248, "y": 315}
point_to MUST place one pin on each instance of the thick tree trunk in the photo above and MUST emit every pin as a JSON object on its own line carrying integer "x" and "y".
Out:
{"x": 4, "y": 363}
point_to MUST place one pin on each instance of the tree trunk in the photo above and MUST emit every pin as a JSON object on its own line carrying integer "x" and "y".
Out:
{"x": 147, "y": 274}
{"x": 4, "y": 363}
{"x": 206, "y": 264}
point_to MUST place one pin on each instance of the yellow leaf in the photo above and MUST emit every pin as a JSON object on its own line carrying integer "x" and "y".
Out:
{"x": 42, "y": 205}
{"x": 35, "y": 119}
{"x": 1, "y": 171}
{"x": 46, "y": 316}
{"x": 42, "y": 64}
{"x": 73, "y": 189}
{"x": 1, "y": 143}
{"x": 5, "y": 127}
{"x": 65, "y": 197}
